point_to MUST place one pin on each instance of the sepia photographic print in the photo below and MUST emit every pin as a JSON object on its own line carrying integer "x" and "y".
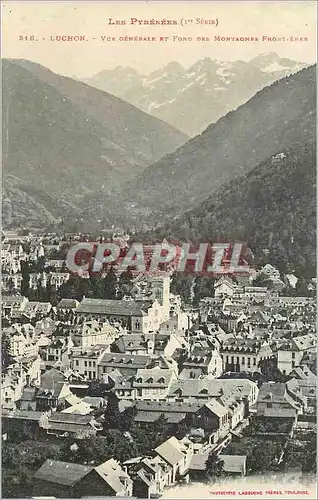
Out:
{"x": 158, "y": 249}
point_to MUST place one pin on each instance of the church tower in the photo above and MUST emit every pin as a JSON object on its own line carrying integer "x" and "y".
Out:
{"x": 161, "y": 292}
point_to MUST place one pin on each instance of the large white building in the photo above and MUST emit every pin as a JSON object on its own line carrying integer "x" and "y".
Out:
{"x": 92, "y": 333}
{"x": 133, "y": 315}
{"x": 290, "y": 354}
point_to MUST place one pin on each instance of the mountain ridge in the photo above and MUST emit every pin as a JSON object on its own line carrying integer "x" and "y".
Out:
{"x": 192, "y": 98}
{"x": 68, "y": 139}
{"x": 272, "y": 209}
{"x": 273, "y": 119}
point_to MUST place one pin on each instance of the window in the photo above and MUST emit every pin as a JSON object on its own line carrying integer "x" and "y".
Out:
{"x": 293, "y": 364}
{"x": 76, "y": 362}
{"x": 243, "y": 360}
{"x": 237, "y": 360}
{"x": 293, "y": 355}
{"x": 85, "y": 363}
{"x": 254, "y": 361}
{"x": 248, "y": 361}
{"x": 89, "y": 363}
{"x": 158, "y": 294}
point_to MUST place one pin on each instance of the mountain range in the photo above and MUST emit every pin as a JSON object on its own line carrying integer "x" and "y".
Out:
{"x": 250, "y": 177}
{"x": 63, "y": 140}
{"x": 191, "y": 99}
{"x": 278, "y": 116}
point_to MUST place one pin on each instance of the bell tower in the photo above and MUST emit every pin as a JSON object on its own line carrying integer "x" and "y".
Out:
{"x": 161, "y": 292}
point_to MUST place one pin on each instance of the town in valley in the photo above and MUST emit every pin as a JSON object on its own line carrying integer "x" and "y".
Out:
{"x": 128, "y": 384}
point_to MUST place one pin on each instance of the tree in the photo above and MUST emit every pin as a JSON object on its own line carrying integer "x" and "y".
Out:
{"x": 84, "y": 288}
{"x": 25, "y": 283}
{"x": 203, "y": 287}
{"x": 127, "y": 418}
{"x": 125, "y": 283}
{"x": 6, "y": 358}
{"x": 182, "y": 430}
{"x": 17, "y": 483}
{"x": 10, "y": 286}
{"x": 69, "y": 289}
{"x": 265, "y": 457}
{"x": 122, "y": 447}
{"x": 19, "y": 431}
{"x": 270, "y": 371}
{"x": 41, "y": 264}
{"x": 309, "y": 463}
{"x": 301, "y": 288}
{"x": 96, "y": 287}
{"x": 96, "y": 450}
{"x": 19, "y": 463}
{"x": 279, "y": 257}
{"x": 182, "y": 284}
{"x": 90, "y": 450}
{"x": 99, "y": 389}
{"x": 214, "y": 466}
{"x": 148, "y": 436}
{"x": 160, "y": 430}
{"x": 112, "y": 414}
{"x": 110, "y": 285}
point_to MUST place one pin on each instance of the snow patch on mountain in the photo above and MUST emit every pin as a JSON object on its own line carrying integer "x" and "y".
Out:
{"x": 187, "y": 86}
{"x": 150, "y": 82}
{"x": 223, "y": 70}
{"x": 275, "y": 66}
{"x": 163, "y": 103}
{"x": 212, "y": 88}
{"x": 218, "y": 88}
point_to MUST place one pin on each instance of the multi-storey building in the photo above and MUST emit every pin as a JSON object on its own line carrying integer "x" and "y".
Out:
{"x": 291, "y": 352}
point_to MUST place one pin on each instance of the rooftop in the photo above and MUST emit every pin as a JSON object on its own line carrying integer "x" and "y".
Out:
{"x": 113, "y": 307}
{"x": 171, "y": 451}
{"x": 63, "y": 473}
{"x": 67, "y": 304}
{"x": 116, "y": 359}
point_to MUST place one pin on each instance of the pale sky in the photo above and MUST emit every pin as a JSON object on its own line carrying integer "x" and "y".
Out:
{"x": 44, "y": 20}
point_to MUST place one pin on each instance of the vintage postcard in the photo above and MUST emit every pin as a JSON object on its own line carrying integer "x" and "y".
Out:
{"x": 159, "y": 249}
